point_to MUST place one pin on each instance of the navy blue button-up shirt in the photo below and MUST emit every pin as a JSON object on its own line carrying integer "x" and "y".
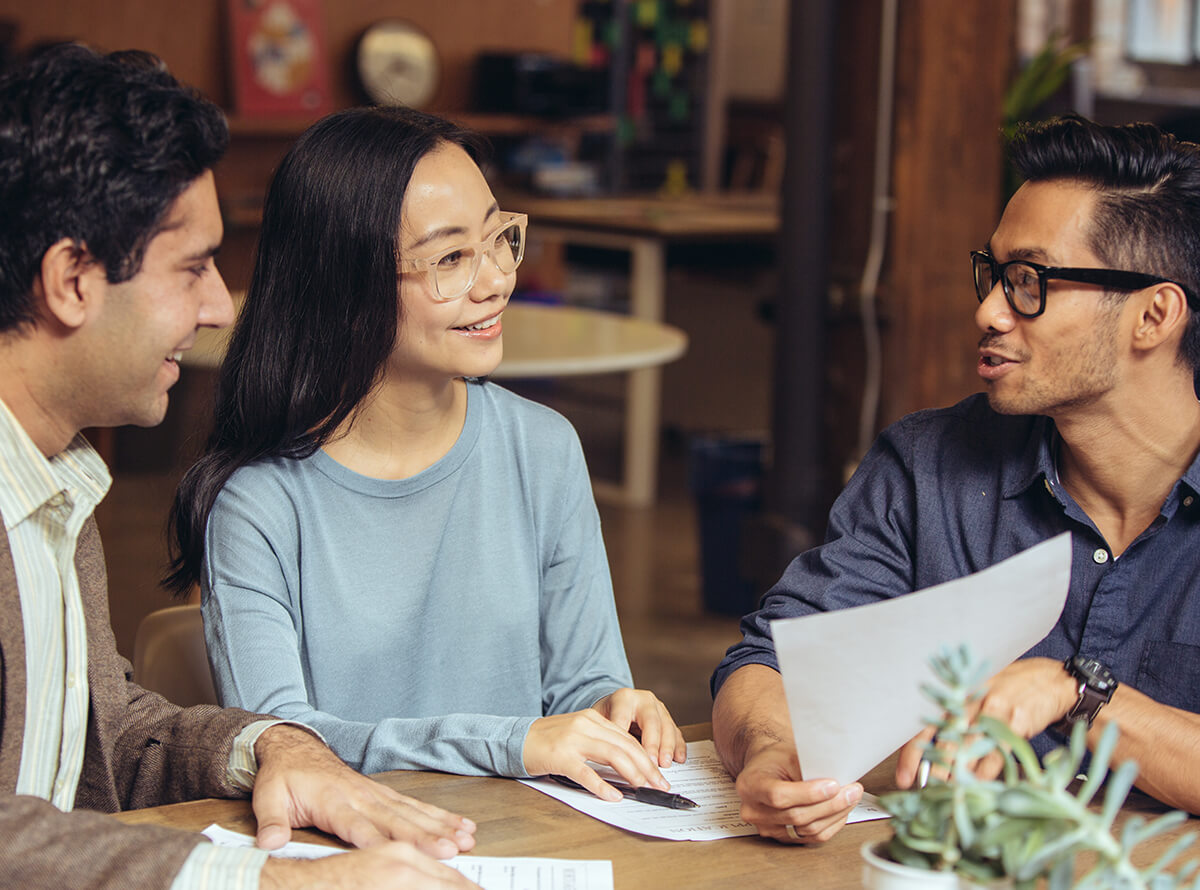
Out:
{"x": 946, "y": 493}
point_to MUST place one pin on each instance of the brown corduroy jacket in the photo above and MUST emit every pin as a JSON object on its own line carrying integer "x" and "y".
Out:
{"x": 141, "y": 751}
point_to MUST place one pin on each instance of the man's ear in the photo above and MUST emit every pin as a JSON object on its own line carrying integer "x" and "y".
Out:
{"x": 1161, "y": 316}
{"x": 67, "y": 282}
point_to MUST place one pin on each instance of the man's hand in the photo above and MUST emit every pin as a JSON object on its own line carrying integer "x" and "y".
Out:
{"x": 383, "y": 867}
{"x": 1028, "y": 695}
{"x": 300, "y": 782}
{"x": 775, "y": 795}
{"x": 641, "y": 708}
{"x": 562, "y": 745}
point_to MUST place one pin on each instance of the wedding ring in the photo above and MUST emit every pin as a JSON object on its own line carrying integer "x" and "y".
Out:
{"x": 791, "y": 830}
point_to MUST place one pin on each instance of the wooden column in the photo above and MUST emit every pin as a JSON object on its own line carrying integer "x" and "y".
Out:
{"x": 954, "y": 62}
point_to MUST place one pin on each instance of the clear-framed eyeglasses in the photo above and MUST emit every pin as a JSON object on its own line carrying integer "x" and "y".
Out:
{"x": 455, "y": 270}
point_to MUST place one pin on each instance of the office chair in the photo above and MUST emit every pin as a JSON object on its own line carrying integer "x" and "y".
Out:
{"x": 169, "y": 656}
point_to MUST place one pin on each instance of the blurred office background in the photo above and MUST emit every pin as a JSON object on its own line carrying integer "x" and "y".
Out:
{"x": 870, "y": 129}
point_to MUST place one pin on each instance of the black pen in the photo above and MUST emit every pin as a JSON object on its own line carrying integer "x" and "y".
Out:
{"x": 643, "y": 795}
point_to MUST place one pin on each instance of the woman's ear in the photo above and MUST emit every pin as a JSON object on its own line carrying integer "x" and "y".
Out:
{"x": 65, "y": 283}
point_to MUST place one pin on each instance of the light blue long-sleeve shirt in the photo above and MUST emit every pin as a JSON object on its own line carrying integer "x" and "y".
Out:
{"x": 421, "y": 623}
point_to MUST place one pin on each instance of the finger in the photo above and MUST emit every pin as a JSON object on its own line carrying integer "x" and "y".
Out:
{"x": 622, "y": 708}
{"x": 273, "y": 814}
{"x": 816, "y": 832}
{"x": 631, "y": 762}
{"x": 674, "y": 746}
{"x": 989, "y": 766}
{"x": 910, "y": 757}
{"x": 451, "y": 823}
{"x": 590, "y": 780}
{"x": 374, "y": 825}
{"x": 650, "y": 722}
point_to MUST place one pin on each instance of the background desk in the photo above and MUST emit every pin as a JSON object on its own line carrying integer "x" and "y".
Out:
{"x": 644, "y": 228}
{"x": 554, "y": 341}
{"x": 515, "y": 820}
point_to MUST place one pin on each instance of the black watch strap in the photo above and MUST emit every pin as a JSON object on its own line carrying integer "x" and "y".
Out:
{"x": 1096, "y": 687}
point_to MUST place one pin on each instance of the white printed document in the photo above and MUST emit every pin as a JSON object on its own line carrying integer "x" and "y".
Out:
{"x": 489, "y": 872}
{"x": 702, "y": 779}
{"x": 853, "y": 676}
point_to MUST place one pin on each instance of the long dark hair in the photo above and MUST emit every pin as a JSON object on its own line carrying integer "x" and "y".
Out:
{"x": 322, "y": 311}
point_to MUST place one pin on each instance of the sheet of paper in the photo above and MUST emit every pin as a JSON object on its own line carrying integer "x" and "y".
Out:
{"x": 489, "y": 872}
{"x": 853, "y": 677}
{"x": 703, "y": 779}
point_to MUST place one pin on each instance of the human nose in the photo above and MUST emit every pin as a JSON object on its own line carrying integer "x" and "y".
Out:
{"x": 490, "y": 281}
{"x": 216, "y": 309}
{"x": 994, "y": 313}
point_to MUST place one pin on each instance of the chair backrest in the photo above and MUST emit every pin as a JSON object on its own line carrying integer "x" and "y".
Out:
{"x": 169, "y": 656}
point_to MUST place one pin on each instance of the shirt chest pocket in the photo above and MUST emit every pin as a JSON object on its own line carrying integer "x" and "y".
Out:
{"x": 1170, "y": 674}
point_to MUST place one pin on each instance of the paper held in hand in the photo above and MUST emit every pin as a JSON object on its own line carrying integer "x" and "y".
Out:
{"x": 853, "y": 677}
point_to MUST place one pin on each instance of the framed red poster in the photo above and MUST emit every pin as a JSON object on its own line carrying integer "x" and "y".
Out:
{"x": 280, "y": 61}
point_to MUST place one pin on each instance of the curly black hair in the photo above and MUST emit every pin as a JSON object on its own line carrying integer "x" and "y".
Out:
{"x": 94, "y": 148}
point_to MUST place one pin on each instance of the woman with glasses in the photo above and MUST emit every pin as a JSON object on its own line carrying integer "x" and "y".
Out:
{"x": 389, "y": 548}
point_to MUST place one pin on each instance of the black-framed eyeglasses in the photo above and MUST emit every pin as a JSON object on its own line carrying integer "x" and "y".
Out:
{"x": 1024, "y": 283}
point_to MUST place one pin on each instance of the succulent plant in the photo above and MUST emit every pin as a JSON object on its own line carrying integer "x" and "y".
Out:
{"x": 1030, "y": 822}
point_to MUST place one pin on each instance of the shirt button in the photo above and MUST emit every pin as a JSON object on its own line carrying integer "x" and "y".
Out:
{"x": 1100, "y": 556}
{"x": 70, "y": 681}
{"x": 1187, "y": 502}
{"x": 57, "y": 500}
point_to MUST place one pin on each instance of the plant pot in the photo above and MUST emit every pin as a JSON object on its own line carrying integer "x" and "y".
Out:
{"x": 881, "y": 873}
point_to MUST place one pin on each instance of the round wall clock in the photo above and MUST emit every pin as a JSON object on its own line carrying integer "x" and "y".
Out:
{"x": 397, "y": 64}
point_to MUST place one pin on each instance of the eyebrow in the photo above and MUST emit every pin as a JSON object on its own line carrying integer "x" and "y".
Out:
{"x": 448, "y": 231}
{"x": 1030, "y": 254}
{"x": 206, "y": 254}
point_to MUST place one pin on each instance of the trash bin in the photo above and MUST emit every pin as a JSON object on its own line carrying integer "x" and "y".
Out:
{"x": 725, "y": 475}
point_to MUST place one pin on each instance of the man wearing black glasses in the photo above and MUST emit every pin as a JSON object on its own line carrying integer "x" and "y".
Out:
{"x": 1090, "y": 424}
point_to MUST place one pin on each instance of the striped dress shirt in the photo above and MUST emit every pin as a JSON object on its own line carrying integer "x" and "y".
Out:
{"x": 45, "y": 503}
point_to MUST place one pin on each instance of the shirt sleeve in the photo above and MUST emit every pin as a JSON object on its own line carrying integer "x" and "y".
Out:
{"x": 867, "y": 555}
{"x": 210, "y": 867}
{"x": 582, "y": 653}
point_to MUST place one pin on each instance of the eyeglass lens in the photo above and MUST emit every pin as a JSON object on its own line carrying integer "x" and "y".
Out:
{"x": 457, "y": 270}
{"x": 1021, "y": 284}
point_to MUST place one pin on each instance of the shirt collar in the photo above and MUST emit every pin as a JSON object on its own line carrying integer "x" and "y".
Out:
{"x": 28, "y": 479}
{"x": 1039, "y": 463}
{"x": 1036, "y": 464}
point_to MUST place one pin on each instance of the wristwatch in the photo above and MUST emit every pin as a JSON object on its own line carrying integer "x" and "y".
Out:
{"x": 1096, "y": 687}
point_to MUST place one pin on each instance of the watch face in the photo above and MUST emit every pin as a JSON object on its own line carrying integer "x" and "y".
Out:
{"x": 1093, "y": 673}
{"x": 397, "y": 64}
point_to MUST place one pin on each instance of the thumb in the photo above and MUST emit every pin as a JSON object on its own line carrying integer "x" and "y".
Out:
{"x": 271, "y": 811}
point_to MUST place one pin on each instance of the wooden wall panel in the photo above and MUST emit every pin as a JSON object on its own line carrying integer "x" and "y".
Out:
{"x": 191, "y": 36}
{"x": 954, "y": 62}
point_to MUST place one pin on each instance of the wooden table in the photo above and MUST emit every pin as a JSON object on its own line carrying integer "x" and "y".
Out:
{"x": 644, "y": 227}
{"x": 515, "y": 820}
{"x": 555, "y": 341}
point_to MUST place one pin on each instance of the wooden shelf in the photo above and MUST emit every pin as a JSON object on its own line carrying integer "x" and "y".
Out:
{"x": 486, "y": 123}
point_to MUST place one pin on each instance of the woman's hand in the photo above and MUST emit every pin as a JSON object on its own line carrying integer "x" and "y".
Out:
{"x": 562, "y": 745}
{"x": 641, "y": 708}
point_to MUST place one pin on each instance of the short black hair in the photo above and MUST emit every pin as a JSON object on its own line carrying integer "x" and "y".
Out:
{"x": 1147, "y": 216}
{"x": 95, "y": 148}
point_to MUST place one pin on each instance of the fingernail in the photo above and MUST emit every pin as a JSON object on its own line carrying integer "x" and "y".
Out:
{"x": 853, "y": 795}
{"x": 445, "y": 848}
{"x": 468, "y": 824}
{"x": 829, "y": 788}
{"x": 613, "y": 794}
{"x": 463, "y": 836}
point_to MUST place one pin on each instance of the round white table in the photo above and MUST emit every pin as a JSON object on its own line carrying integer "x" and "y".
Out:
{"x": 558, "y": 341}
